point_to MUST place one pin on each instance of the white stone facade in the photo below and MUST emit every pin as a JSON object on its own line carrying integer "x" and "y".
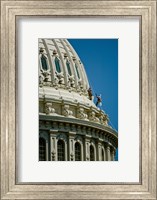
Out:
{"x": 71, "y": 127}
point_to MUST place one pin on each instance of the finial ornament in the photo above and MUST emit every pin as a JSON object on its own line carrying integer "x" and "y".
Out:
{"x": 54, "y": 52}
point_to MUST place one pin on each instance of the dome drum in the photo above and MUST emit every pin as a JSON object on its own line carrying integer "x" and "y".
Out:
{"x": 75, "y": 110}
{"x": 70, "y": 131}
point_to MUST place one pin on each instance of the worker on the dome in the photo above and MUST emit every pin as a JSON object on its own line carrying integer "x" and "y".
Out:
{"x": 99, "y": 100}
{"x": 90, "y": 94}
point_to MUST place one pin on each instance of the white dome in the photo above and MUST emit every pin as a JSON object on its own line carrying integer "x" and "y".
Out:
{"x": 64, "y": 63}
{"x": 63, "y": 83}
{"x": 62, "y": 72}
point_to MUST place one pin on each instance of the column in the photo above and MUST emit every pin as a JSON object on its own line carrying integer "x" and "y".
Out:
{"x": 66, "y": 150}
{"x": 112, "y": 154}
{"x": 82, "y": 152}
{"x": 47, "y": 150}
{"x": 53, "y": 145}
{"x": 86, "y": 148}
{"x": 105, "y": 157}
{"x": 99, "y": 151}
{"x": 95, "y": 153}
{"x": 108, "y": 153}
{"x": 71, "y": 147}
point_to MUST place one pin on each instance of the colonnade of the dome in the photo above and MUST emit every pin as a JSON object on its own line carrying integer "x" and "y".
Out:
{"x": 68, "y": 142}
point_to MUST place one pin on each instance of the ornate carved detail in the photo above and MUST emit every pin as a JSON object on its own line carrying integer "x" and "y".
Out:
{"x": 89, "y": 130}
{"x": 54, "y": 52}
{"x": 62, "y": 137}
{"x": 48, "y": 124}
{"x": 71, "y": 80}
{"x": 48, "y": 108}
{"x": 46, "y": 75}
{"x": 87, "y": 157}
{"x": 103, "y": 118}
{"x": 73, "y": 127}
{"x": 81, "y": 114}
{"x": 92, "y": 142}
{"x": 41, "y": 124}
{"x": 79, "y": 87}
{"x": 61, "y": 126}
{"x": 58, "y": 80}
{"x": 72, "y": 156}
{"x": 60, "y": 77}
{"x": 93, "y": 132}
{"x": 54, "y": 125}
{"x": 97, "y": 133}
{"x": 108, "y": 148}
{"x": 53, "y": 155}
{"x": 80, "y": 84}
{"x": 106, "y": 119}
{"x": 66, "y": 111}
{"x": 79, "y": 129}
{"x": 67, "y": 127}
{"x": 78, "y": 138}
{"x": 41, "y": 80}
{"x": 44, "y": 78}
{"x": 55, "y": 82}
{"x": 84, "y": 129}
{"x": 92, "y": 116}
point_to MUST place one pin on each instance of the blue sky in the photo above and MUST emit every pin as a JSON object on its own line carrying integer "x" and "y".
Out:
{"x": 100, "y": 59}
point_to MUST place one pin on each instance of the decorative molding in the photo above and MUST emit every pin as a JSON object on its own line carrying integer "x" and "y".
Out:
{"x": 71, "y": 81}
{"x": 79, "y": 130}
{"x": 92, "y": 116}
{"x": 66, "y": 111}
{"x": 61, "y": 136}
{"x": 60, "y": 77}
{"x": 81, "y": 114}
{"x": 49, "y": 109}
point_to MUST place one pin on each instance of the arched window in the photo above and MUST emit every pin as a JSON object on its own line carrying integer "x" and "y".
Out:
{"x": 78, "y": 75}
{"x": 92, "y": 153}
{"x": 102, "y": 155}
{"x": 68, "y": 67}
{"x": 57, "y": 63}
{"x": 42, "y": 149}
{"x": 44, "y": 62}
{"x": 61, "y": 150}
{"x": 77, "y": 151}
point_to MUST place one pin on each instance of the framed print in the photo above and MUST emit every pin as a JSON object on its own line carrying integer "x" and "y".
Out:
{"x": 70, "y": 129}
{"x": 78, "y": 100}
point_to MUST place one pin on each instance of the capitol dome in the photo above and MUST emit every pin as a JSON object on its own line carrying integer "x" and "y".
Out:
{"x": 71, "y": 126}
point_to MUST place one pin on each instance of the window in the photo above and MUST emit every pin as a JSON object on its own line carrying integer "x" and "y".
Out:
{"x": 68, "y": 67}
{"x": 77, "y": 151}
{"x": 102, "y": 155}
{"x": 44, "y": 62}
{"x": 57, "y": 63}
{"x": 92, "y": 153}
{"x": 61, "y": 150}
{"x": 78, "y": 75}
{"x": 42, "y": 149}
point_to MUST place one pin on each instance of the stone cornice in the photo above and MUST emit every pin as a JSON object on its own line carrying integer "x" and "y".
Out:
{"x": 108, "y": 131}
